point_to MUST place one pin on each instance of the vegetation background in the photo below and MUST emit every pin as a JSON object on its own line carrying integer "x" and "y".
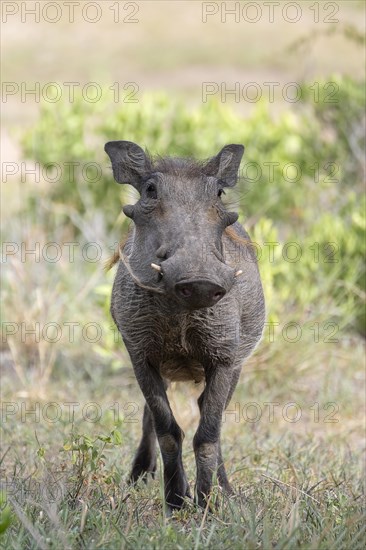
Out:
{"x": 71, "y": 409}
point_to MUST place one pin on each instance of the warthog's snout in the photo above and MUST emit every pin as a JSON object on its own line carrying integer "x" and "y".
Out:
{"x": 199, "y": 293}
{"x": 193, "y": 283}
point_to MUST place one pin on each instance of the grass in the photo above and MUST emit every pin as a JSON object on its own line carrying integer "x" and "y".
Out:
{"x": 297, "y": 484}
{"x": 291, "y": 492}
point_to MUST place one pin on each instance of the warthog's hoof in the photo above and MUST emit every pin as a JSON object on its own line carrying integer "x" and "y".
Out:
{"x": 173, "y": 498}
{"x": 141, "y": 471}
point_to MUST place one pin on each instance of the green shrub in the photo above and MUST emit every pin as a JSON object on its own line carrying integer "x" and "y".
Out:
{"x": 302, "y": 180}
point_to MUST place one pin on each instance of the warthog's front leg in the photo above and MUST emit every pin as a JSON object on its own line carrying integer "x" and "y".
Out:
{"x": 168, "y": 432}
{"x": 206, "y": 442}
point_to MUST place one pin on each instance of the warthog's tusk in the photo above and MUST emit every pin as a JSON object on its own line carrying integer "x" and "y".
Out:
{"x": 238, "y": 273}
{"x": 157, "y": 267}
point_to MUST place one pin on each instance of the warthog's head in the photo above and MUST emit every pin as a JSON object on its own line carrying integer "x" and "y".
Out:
{"x": 179, "y": 221}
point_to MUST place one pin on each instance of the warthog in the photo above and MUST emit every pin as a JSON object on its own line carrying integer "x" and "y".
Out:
{"x": 188, "y": 302}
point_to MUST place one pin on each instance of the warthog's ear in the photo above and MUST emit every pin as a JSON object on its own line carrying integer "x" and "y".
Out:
{"x": 226, "y": 164}
{"x": 129, "y": 162}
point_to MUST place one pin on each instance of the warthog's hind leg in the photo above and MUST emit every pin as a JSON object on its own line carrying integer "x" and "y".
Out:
{"x": 145, "y": 458}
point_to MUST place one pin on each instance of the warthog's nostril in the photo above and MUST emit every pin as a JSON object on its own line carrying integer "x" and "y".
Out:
{"x": 185, "y": 291}
{"x": 199, "y": 292}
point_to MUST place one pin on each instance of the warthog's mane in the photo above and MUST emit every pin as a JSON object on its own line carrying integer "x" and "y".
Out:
{"x": 176, "y": 166}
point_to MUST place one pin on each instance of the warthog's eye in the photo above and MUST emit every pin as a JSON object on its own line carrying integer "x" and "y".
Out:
{"x": 151, "y": 191}
{"x": 220, "y": 192}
